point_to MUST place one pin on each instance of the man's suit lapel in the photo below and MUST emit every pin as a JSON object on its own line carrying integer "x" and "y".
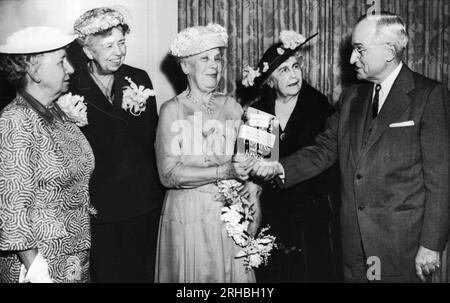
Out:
{"x": 396, "y": 103}
{"x": 358, "y": 113}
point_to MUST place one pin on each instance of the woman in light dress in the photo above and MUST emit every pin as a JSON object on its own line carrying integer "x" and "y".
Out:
{"x": 195, "y": 143}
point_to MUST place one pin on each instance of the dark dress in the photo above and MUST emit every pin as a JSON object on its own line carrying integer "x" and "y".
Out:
{"x": 125, "y": 186}
{"x": 304, "y": 218}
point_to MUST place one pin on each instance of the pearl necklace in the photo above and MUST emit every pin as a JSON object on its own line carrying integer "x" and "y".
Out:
{"x": 208, "y": 106}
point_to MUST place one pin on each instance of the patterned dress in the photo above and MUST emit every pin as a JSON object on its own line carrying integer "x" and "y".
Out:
{"x": 45, "y": 167}
{"x": 193, "y": 244}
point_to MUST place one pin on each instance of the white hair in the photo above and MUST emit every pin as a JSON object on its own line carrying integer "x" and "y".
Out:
{"x": 391, "y": 26}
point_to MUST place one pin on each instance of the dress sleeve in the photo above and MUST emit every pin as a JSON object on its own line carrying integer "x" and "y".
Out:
{"x": 238, "y": 112}
{"x": 17, "y": 182}
{"x": 168, "y": 144}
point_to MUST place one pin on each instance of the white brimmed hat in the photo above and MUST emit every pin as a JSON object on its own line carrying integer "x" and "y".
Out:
{"x": 197, "y": 39}
{"x": 35, "y": 39}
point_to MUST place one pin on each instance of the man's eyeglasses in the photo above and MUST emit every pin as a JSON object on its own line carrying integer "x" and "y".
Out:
{"x": 360, "y": 51}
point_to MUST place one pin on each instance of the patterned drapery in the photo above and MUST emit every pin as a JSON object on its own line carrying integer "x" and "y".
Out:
{"x": 253, "y": 25}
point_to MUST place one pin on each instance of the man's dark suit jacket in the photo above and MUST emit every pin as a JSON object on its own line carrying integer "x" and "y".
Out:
{"x": 307, "y": 208}
{"x": 395, "y": 175}
{"x": 125, "y": 182}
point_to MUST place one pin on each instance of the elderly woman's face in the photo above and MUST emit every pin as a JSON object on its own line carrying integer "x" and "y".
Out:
{"x": 53, "y": 72}
{"x": 205, "y": 69}
{"x": 107, "y": 52}
{"x": 287, "y": 78}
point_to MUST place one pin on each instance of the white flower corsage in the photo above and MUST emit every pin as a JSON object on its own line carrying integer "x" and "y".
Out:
{"x": 248, "y": 75}
{"x": 135, "y": 98}
{"x": 291, "y": 39}
{"x": 237, "y": 214}
{"x": 73, "y": 106}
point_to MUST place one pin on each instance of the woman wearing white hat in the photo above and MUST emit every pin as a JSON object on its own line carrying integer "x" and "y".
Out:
{"x": 45, "y": 167}
{"x": 195, "y": 143}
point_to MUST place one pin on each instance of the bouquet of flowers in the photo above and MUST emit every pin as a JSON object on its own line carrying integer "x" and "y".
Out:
{"x": 73, "y": 106}
{"x": 258, "y": 249}
{"x": 237, "y": 214}
{"x": 135, "y": 97}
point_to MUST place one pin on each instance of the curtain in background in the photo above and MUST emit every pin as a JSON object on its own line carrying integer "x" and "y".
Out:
{"x": 254, "y": 25}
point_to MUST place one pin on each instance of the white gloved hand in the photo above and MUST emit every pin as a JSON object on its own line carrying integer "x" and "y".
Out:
{"x": 37, "y": 273}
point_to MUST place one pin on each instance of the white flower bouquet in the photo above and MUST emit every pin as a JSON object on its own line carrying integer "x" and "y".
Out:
{"x": 257, "y": 250}
{"x": 237, "y": 214}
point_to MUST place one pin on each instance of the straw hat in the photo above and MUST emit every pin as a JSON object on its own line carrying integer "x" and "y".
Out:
{"x": 197, "y": 39}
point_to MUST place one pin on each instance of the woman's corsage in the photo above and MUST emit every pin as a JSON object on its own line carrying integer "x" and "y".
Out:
{"x": 135, "y": 98}
{"x": 73, "y": 106}
{"x": 237, "y": 214}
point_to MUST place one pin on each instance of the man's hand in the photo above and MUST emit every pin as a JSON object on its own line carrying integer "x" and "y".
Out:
{"x": 427, "y": 262}
{"x": 266, "y": 170}
{"x": 238, "y": 168}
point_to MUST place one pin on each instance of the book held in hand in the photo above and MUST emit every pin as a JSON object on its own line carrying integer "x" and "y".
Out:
{"x": 259, "y": 135}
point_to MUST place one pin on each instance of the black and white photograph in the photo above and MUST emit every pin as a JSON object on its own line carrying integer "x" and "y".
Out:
{"x": 224, "y": 147}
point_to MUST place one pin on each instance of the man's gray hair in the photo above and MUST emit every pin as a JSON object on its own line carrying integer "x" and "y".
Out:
{"x": 393, "y": 28}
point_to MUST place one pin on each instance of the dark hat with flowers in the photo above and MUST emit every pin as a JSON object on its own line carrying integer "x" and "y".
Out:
{"x": 291, "y": 42}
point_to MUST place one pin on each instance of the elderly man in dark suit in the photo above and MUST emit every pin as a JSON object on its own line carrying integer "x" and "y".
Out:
{"x": 391, "y": 138}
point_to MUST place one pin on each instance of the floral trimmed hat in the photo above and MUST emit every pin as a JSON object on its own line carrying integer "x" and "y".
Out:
{"x": 291, "y": 42}
{"x": 97, "y": 20}
{"x": 197, "y": 39}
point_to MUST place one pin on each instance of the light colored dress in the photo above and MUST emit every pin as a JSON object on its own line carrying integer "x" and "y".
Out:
{"x": 193, "y": 245}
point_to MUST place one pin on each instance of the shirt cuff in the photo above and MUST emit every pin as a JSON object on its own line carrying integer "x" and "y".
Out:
{"x": 281, "y": 169}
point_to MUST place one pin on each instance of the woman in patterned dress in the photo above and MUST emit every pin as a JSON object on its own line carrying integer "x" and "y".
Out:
{"x": 45, "y": 166}
{"x": 194, "y": 147}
